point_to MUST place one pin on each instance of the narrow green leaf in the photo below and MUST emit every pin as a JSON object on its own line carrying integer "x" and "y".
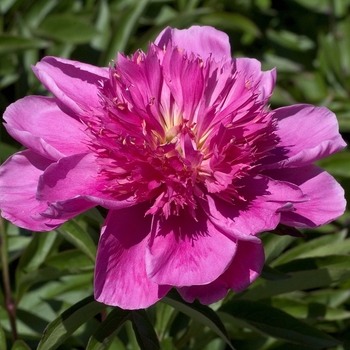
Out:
{"x": 6, "y": 151}
{"x": 10, "y": 43}
{"x": 144, "y": 331}
{"x": 309, "y": 246}
{"x": 2, "y": 339}
{"x": 302, "y": 309}
{"x": 20, "y": 345}
{"x": 199, "y": 312}
{"x": 337, "y": 164}
{"x": 290, "y": 40}
{"x": 124, "y": 29}
{"x": 70, "y": 320}
{"x": 37, "y": 11}
{"x": 29, "y": 279}
{"x": 73, "y": 261}
{"x": 76, "y": 235}
{"x": 229, "y": 21}
{"x": 274, "y": 245}
{"x": 37, "y": 251}
{"x": 104, "y": 335}
{"x": 320, "y": 276}
{"x": 67, "y": 28}
{"x": 277, "y": 323}
{"x": 108, "y": 329}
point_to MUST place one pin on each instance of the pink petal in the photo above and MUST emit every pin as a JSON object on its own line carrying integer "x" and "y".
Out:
{"x": 73, "y": 83}
{"x": 202, "y": 41}
{"x": 326, "y": 202}
{"x": 246, "y": 266}
{"x": 39, "y": 124}
{"x": 61, "y": 211}
{"x": 120, "y": 275}
{"x": 19, "y": 177}
{"x": 307, "y": 134}
{"x": 264, "y": 82}
{"x": 76, "y": 177}
{"x": 187, "y": 252}
{"x": 258, "y": 213}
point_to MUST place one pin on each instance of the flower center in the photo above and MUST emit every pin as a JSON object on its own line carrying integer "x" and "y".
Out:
{"x": 169, "y": 135}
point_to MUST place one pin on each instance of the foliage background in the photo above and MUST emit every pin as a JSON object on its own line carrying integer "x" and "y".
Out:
{"x": 302, "y": 300}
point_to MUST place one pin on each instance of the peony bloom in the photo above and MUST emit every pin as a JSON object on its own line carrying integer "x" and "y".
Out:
{"x": 180, "y": 146}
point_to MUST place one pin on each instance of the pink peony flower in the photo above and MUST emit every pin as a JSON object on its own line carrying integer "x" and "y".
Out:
{"x": 180, "y": 146}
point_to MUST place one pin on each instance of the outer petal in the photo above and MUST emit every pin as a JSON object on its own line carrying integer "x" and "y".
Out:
{"x": 326, "y": 202}
{"x": 203, "y": 41}
{"x": 120, "y": 275}
{"x": 264, "y": 82}
{"x": 76, "y": 177}
{"x": 246, "y": 266}
{"x": 73, "y": 83}
{"x": 39, "y": 124}
{"x": 187, "y": 252}
{"x": 19, "y": 177}
{"x": 307, "y": 134}
{"x": 264, "y": 198}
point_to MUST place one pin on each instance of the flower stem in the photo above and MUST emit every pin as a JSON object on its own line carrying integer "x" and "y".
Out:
{"x": 9, "y": 303}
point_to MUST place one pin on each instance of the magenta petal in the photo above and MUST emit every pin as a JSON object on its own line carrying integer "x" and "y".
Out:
{"x": 73, "y": 83}
{"x": 264, "y": 82}
{"x": 203, "y": 41}
{"x": 41, "y": 126}
{"x": 245, "y": 267}
{"x": 76, "y": 176}
{"x": 175, "y": 256}
{"x": 260, "y": 212}
{"x": 19, "y": 177}
{"x": 307, "y": 134}
{"x": 326, "y": 202}
{"x": 207, "y": 294}
{"x": 120, "y": 275}
{"x": 59, "y": 212}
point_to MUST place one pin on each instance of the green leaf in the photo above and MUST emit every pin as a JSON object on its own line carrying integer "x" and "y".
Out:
{"x": 231, "y": 21}
{"x": 20, "y": 345}
{"x": 199, "y": 312}
{"x": 73, "y": 261}
{"x": 302, "y": 309}
{"x": 320, "y": 245}
{"x": 337, "y": 164}
{"x": 108, "y": 329}
{"x": 2, "y": 339}
{"x": 6, "y": 151}
{"x": 290, "y": 40}
{"x": 144, "y": 331}
{"x": 27, "y": 280}
{"x": 37, "y": 11}
{"x": 104, "y": 335}
{"x": 76, "y": 235}
{"x": 124, "y": 29}
{"x": 67, "y": 28}
{"x": 274, "y": 245}
{"x": 10, "y": 43}
{"x": 37, "y": 251}
{"x": 70, "y": 320}
{"x": 326, "y": 271}
{"x": 277, "y": 323}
